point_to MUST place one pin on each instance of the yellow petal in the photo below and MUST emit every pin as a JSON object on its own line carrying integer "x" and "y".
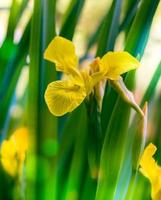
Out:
{"x": 20, "y": 137}
{"x": 62, "y": 52}
{"x": 117, "y": 63}
{"x": 10, "y": 166}
{"x": 13, "y": 152}
{"x": 8, "y": 149}
{"x": 88, "y": 82}
{"x": 151, "y": 170}
{"x": 64, "y": 96}
{"x": 97, "y": 74}
{"x": 92, "y": 76}
{"x": 8, "y": 157}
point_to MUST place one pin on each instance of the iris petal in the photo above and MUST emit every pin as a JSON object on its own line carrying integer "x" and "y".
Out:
{"x": 13, "y": 152}
{"x": 8, "y": 155}
{"x": 64, "y": 96}
{"x": 117, "y": 63}
{"x": 151, "y": 170}
{"x": 62, "y": 52}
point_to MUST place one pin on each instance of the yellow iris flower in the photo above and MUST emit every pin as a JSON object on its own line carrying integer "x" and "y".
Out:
{"x": 13, "y": 152}
{"x": 64, "y": 96}
{"x": 151, "y": 170}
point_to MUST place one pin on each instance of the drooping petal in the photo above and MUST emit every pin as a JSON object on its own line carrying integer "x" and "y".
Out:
{"x": 117, "y": 63}
{"x": 151, "y": 170}
{"x": 64, "y": 96}
{"x": 62, "y": 52}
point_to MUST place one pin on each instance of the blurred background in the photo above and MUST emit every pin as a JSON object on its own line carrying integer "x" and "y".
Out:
{"x": 45, "y": 133}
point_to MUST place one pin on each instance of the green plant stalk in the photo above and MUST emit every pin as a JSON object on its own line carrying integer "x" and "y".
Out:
{"x": 33, "y": 99}
{"x": 43, "y": 126}
{"x": 136, "y": 145}
{"x": 78, "y": 163}
{"x": 94, "y": 136}
{"x": 47, "y": 122}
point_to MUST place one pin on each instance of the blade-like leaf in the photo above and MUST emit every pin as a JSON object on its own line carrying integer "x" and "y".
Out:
{"x": 106, "y": 43}
{"x": 13, "y": 65}
{"x": 77, "y": 168}
{"x": 108, "y": 35}
{"x": 41, "y": 122}
{"x": 152, "y": 86}
{"x": 71, "y": 18}
{"x": 16, "y": 11}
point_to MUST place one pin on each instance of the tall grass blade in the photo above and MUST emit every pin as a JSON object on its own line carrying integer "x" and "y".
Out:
{"x": 12, "y": 63}
{"x": 43, "y": 126}
{"x": 152, "y": 86}
{"x": 71, "y": 18}
{"x": 16, "y": 11}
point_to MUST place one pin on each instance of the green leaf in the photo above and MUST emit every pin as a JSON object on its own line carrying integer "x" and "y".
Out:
{"x": 136, "y": 42}
{"x": 129, "y": 15}
{"x": 71, "y": 18}
{"x": 12, "y": 63}
{"x": 94, "y": 37}
{"x": 33, "y": 106}
{"x": 106, "y": 43}
{"x": 131, "y": 9}
{"x": 16, "y": 11}
{"x": 108, "y": 35}
{"x": 78, "y": 163}
{"x": 148, "y": 96}
{"x": 94, "y": 136}
{"x": 41, "y": 122}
